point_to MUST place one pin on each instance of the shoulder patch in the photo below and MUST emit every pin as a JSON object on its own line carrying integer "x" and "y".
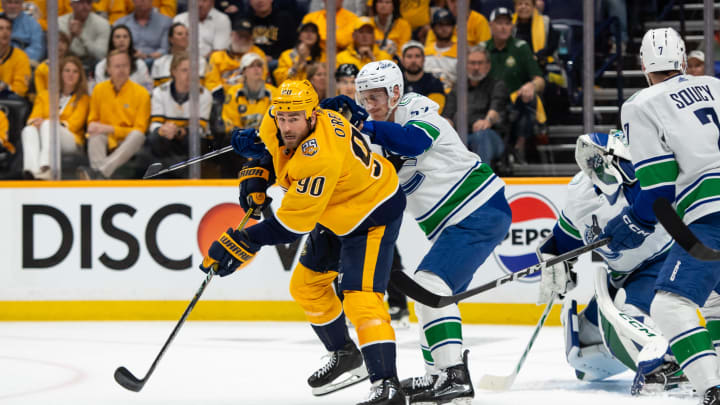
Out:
{"x": 309, "y": 147}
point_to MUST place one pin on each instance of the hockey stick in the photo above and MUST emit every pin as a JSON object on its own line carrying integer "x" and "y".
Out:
{"x": 124, "y": 377}
{"x": 504, "y": 382}
{"x": 412, "y": 289}
{"x": 672, "y": 223}
{"x": 156, "y": 169}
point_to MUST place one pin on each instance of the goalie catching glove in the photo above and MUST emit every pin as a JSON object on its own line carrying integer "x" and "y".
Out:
{"x": 230, "y": 252}
{"x": 255, "y": 178}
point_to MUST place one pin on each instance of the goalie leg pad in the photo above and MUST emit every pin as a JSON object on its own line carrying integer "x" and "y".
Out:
{"x": 591, "y": 362}
{"x": 676, "y": 316}
{"x": 442, "y": 327}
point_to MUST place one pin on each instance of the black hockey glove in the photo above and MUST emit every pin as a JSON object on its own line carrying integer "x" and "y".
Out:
{"x": 255, "y": 177}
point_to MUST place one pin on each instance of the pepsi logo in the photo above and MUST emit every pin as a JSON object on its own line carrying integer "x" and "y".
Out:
{"x": 533, "y": 218}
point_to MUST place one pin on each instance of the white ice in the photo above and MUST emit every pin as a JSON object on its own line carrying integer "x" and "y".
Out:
{"x": 215, "y": 363}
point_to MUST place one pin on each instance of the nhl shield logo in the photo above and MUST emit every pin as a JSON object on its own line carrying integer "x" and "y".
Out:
{"x": 533, "y": 217}
{"x": 310, "y": 147}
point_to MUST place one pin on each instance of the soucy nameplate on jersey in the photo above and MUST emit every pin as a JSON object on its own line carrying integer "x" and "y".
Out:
{"x": 691, "y": 95}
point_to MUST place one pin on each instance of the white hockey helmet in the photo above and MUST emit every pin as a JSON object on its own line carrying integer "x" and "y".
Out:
{"x": 384, "y": 74}
{"x": 662, "y": 49}
{"x": 605, "y": 158}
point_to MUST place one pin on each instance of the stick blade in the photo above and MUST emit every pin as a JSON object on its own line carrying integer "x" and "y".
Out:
{"x": 125, "y": 378}
{"x": 496, "y": 382}
{"x": 153, "y": 170}
{"x": 412, "y": 289}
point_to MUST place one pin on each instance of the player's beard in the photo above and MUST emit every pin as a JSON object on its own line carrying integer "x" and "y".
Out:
{"x": 478, "y": 77}
{"x": 414, "y": 71}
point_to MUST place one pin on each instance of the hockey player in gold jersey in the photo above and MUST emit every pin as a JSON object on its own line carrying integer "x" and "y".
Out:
{"x": 335, "y": 186}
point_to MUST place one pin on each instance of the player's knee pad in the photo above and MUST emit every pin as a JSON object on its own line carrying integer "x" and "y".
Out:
{"x": 314, "y": 293}
{"x": 591, "y": 362}
{"x": 673, "y": 313}
{"x": 366, "y": 310}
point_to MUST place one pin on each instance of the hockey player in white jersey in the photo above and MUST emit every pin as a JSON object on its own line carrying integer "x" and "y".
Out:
{"x": 606, "y": 185}
{"x": 456, "y": 199}
{"x": 673, "y": 130}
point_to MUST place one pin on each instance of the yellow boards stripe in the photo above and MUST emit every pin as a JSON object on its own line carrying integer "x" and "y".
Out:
{"x": 472, "y": 313}
{"x": 372, "y": 247}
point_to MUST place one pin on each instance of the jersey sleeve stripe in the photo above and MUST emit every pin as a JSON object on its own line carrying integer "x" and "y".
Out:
{"x": 568, "y": 228}
{"x": 654, "y": 159}
{"x": 708, "y": 190}
{"x": 430, "y": 129}
{"x": 665, "y": 171}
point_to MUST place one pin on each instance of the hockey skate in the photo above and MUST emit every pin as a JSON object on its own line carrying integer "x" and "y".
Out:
{"x": 399, "y": 318}
{"x": 667, "y": 377}
{"x": 385, "y": 392}
{"x": 415, "y": 385}
{"x": 453, "y": 385}
{"x": 712, "y": 396}
{"x": 343, "y": 368}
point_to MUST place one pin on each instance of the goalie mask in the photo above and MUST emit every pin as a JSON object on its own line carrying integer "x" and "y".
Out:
{"x": 605, "y": 158}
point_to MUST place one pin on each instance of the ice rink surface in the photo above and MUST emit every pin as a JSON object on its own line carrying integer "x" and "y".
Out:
{"x": 216, "y": 363}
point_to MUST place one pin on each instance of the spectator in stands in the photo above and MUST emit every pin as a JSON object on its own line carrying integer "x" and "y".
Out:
{"x": 214, "y": 27}
{"x": 234, "y": 9}
{"x": 149, "y": 28}
{"x": 345, "y": 79}
{"x": 345, "y": 22}
{"x": 123, "y": 8}
{"x": 487, "y": 103}
{"x": 118, "y": 119}
{"x": 696, "y": 63}
{"x": 441, "y": 55}
{"x": 121, "y": 39}
{"x": 513, "y": 63}
{"x": 317, "y": 75}
{"x": 7, "y": 149}
{"x": 170, "y": 115}
{"x": 248, "y": 101}
{"x": 485, "y": 7}
{"x": 177, "y": 43}
{"x": 42, "y": 72}
{"x": 27, "y": 34}
{"x": 416, "y": 79}
{"x": 224, "y": 67}
{"x": 417, "y": 13}
{"x": 74, "y": 105}
{"x": 274, "y": 29}
{"x": 363, "y": 49}
{"x": 89, "y": 33}
{"x": 477, "y": 26}
{"x": 535, "y": 29}
{"x": 14, "y": 65}
{"x": 293, "y": 63}
{"x": 357, "y": 7}
{"x": 391, "y": 30}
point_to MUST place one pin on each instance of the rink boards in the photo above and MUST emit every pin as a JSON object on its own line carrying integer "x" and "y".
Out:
{"x": 119, "y": 250}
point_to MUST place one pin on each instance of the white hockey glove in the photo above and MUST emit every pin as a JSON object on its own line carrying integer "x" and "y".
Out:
{"x": 557, "y": 279}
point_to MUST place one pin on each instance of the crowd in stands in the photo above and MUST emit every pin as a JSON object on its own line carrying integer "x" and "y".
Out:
{"x": 125, "y": 73}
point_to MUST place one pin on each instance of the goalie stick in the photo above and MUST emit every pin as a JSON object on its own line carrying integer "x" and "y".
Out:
{"x": 412, "y": 289}
{"x": 124, "y": 377}
{"x": 504, "y": 382}
{"x": 672, "y": 223}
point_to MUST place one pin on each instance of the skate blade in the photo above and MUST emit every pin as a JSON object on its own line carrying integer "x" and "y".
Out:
{"x": 456, "y": 401}
{"x": 679, "y": 390}
{"x": 353, "y": 376}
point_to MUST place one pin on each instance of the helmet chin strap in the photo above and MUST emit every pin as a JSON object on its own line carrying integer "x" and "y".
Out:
{"x": 391, "y": 106}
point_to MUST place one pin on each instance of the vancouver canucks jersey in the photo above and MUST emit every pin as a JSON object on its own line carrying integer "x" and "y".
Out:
{"x": 447, "y": 182}
{"x": 673, "y": 130}
{"x": 584, "y": 217}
